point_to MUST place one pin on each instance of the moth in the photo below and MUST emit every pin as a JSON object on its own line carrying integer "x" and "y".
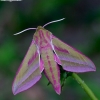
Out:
{"x": 45, "y": 54}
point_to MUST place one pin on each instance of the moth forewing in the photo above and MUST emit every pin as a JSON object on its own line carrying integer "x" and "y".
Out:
{"x": 29, "y": 72}
{"x": 71, "y": 59}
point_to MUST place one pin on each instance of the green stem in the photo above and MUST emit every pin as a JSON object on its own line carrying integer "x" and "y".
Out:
{"x": 84, "y": 86}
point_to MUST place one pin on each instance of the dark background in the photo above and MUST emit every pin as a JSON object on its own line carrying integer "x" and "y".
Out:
{"x": 80, "y": 29}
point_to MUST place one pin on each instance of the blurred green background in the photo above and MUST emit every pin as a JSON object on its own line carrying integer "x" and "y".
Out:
{"x": 80, "y": 29}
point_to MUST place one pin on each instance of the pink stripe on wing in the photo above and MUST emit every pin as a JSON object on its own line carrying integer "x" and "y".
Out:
{"x": 32, "y": 59}
{"x": 61, "y": 50}
{"x": 26, "y": 86}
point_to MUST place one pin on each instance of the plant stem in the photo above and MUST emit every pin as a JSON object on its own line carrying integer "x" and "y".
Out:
{"x": 84, "y": 86}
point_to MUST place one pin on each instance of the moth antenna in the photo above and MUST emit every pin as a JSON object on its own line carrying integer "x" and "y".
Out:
{"x": 24, "y": 30}
{"x": 53, "y": 22}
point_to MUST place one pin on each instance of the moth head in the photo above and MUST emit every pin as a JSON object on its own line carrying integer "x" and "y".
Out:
{"x": 42, "y": 33}
{"x": 40, "y": 28}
